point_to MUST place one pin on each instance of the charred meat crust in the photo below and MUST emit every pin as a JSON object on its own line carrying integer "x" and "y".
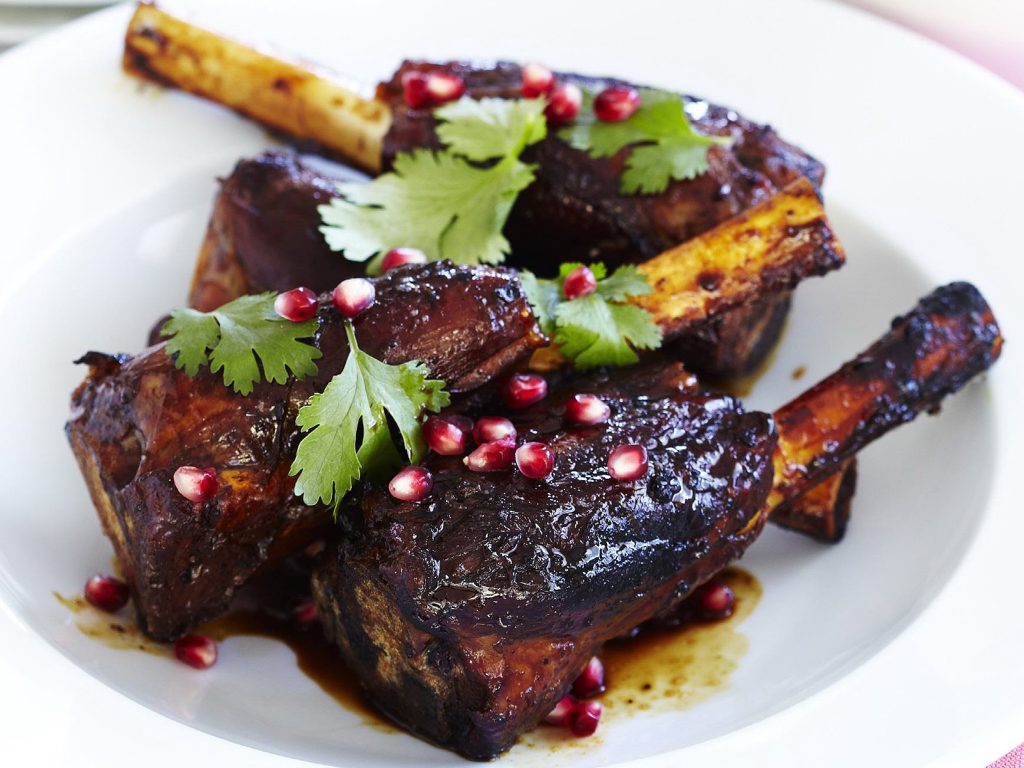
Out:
{"x": 135, "y": 420}
{"x": 574, "y": 211}
{"x": 264, "y": 233}
{"x": 469, "y": 615}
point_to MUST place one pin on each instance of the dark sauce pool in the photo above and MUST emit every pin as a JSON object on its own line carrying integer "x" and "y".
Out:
{"x": 659, "y": 669}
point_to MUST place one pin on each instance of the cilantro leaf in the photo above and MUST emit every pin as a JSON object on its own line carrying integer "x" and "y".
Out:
{"x": 597, "y": 329}
{"x": 488, "y": 128}
{"x": 665, "y": 146}
{"x": 347, "y": 425}
{"x": 594, "y": 332}
{"x": 544, "y": 296}
{"x": 439, "y": 202}
{"x": 240, "y": 338}
{"x": 436, "y": 202}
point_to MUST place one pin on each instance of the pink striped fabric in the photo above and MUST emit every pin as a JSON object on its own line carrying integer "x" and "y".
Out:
{"x": 1013, "y": 760}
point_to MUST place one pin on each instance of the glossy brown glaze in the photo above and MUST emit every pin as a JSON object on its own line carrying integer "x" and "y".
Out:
{"x": 264, "y": 234}
{"x": 574, "y": 210}
{"x": 467, "y": 616}
{"x": 136, "y": 419}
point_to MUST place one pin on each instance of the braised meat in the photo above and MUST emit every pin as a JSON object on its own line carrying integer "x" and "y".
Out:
{"x": 466, "y": 616}
{"x": 136, "y": 419}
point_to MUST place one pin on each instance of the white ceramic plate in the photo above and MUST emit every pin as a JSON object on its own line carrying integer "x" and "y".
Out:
{"x": 900, "y": 646}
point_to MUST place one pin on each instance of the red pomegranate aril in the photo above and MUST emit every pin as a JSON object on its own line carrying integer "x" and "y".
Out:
{"x": 461, "y": 421}
{"x": 615, "y": 104}
{"x": 538, "y": 80}
{"x": 491, "y": 457}
{"x": 352, "y": 296}
{"x": 398, "y": 257}
{"x": 305, "y": 613}
{"x": 585, "y": 718}
{"x": 628, "y": 462}
{"x": 585, "y": 408}
{"x": 563, "y": 710}
{"x": 715, "y": 600}
{"x": 297, "y": 305}
{"x": 524, "y": 389}
{"x": 578, "y": 283}
{"x": 196, "y": 484}
{"x": 196, "y": 651}
{"x": 443, "y": 437}
{"x": 591, "y": 679}
{"x": 411, "y": 484}
{"x": 535, "y": 460}
{"x": 563, "y": 104}
{"x": 414, "y": 89}
{"x": 443, "y": 87}
{"x": 489, "y": 429}
{"x": 106, "y": 593}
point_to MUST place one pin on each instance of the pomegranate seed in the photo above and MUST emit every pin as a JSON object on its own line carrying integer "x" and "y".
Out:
{"x": 196, "y": 484}
{"x": 397, "y": 257}
{"x": 443, "y": 87}
{"x": 563, "y": 710}
{"x": 352, "y": 296}
{"x": 491, "y": 457}
{"x": 196, "y": 651}
{"x": 459, "y": 420}
{"x": 106, "y": 593}
{"x": 563, "y": 104}
{"x": 535, "y": 460}
{"x": 628, "y": 462}
{"x": 414, "y": 89}
{"x": 715, "y": 600}
{"x": 524, "y": 389}
{"x": 411, "y": 484}
{"x": 579, "y": 282}
{"x": 584, "y": 719}
{"x": 443, "y": 437}
{"x": 538, "y": 80}
{"x": 305, "y": 614}
{"x": 587, "y": 409}
{"x": 488, "y": 429}
{"x": 616, "y": 104}
{"x": 297, "y": 305}
{"x": 591, "y": 679}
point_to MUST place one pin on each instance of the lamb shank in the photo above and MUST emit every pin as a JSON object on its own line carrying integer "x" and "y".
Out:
{"x": 467, "y": 616}
{"x": 574, "y": 210}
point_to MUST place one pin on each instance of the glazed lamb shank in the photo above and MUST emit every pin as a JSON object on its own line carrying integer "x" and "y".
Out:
{"x": 572, "y": 212}
{"x": 136, "y": 419}
{"x": 467, "y": 616}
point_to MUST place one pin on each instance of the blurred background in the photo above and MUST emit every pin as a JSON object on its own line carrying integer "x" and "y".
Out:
{"x": 989, "y": 31}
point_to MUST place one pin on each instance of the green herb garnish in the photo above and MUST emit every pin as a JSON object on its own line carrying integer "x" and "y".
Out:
{"x": 242, "y": 337}
{"x": 441, "y": 202}
{"x": 348, "y": 427}
{"x": 597, "y": 329}
{"x": 664, "y": 144}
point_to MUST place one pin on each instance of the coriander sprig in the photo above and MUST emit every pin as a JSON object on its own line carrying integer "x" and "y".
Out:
{"x": 599, "y": 328}
{"x": 348, "y": 428}
{"x": 664, "y": 144}
{"x": 243, "y": 338}
{"x": 450, "y": 204}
